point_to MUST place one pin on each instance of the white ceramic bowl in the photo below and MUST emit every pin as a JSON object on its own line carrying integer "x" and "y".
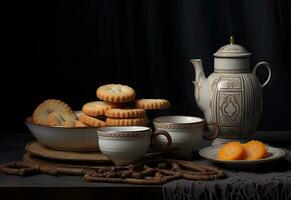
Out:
{"x": 80, "y": 139}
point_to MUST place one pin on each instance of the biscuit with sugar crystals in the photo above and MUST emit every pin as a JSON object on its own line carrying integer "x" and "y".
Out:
{"x": 97, "y": 108}
{"x": 91, "y": 121}
{"x": 125, "y": 122}
{"x": 152, "y": 104}
{"x": 125, "y": 113}
{"x": 115, "y": 93}
{"x": 40, "y": 114}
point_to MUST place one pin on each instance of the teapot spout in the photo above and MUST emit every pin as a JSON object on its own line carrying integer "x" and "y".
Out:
{"x": 199, "y": 72}
{"x": 202, "y": 86}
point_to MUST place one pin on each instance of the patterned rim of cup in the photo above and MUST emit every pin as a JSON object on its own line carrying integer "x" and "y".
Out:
{"x": 181, "y": 125}
{"x": 129, "y": 131}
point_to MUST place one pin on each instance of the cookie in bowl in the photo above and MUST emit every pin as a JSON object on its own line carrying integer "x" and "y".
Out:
{"x": 41, "y": 113}
{"x": 64, "y": 118}
{"x": 55, "y": 125}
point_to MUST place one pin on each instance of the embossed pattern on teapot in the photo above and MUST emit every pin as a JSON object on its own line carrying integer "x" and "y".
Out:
{"x": 231, "y": 96}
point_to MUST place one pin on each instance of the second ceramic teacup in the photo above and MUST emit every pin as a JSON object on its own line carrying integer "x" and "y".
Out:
{"x": 127, "y": 144}
{"x": 186, "y": 132}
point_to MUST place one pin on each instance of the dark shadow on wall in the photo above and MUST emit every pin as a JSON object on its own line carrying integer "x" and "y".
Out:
{"x": 67, "y": 49}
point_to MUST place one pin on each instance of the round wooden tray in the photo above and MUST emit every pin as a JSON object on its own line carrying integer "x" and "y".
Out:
{"x": 28, "y": 157}
{"x": 37, "y": 149}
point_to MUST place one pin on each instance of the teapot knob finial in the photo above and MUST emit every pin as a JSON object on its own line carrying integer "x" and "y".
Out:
{"x": 231, "y": 40}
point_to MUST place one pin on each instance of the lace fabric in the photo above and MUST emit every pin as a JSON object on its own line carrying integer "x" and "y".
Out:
{"x": 265, "y": 184}
{"x": 241, "y": 186}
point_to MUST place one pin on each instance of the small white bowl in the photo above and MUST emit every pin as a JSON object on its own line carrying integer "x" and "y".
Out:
{"x": 78, "y": 139}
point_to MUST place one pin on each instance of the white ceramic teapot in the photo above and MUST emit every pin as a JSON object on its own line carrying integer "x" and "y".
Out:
{"x": 231, "y": 96}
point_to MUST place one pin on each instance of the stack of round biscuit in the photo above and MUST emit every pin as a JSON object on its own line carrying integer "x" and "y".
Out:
{"x": 118, "y": 105}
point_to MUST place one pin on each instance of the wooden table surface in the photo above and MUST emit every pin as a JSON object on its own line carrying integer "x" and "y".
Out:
{"x": 74, "y": 187}
{"x": 60, "y": 187}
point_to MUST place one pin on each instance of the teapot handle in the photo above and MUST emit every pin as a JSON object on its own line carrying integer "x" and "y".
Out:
{"x": 268, "y": 66}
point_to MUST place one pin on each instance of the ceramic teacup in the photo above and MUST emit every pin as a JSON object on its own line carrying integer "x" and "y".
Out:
{"x": 186, "y": 133}
{"x": 127, "y": 144}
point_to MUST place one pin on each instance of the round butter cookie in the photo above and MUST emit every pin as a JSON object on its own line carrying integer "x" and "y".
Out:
{"x": 80, "y": 124}
{"x": 58, "y": 118}
{"x": 69, "y": 123}
{"x": 115, "y": 93}
{"x": 125, "y": 113}
{"x": 152, "y": 104}
{"x": 97, "y": 108}
{"x": 74, "y": 123}
{"x": 91, "y": 121}
{"x": 40, "y": 114}
{"x": 125, "y": 122}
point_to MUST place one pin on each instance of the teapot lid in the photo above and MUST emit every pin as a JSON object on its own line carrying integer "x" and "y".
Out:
{"x": 232, "y": 50}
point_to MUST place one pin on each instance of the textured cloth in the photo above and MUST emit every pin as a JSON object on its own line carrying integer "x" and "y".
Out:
{"x": 268, "y": 181}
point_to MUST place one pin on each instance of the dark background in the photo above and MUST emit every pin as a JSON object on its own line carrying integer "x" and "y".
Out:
{"x": 66, "y": 49}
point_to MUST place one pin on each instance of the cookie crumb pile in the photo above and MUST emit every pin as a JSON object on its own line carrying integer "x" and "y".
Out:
{"x": 116, "y": 106}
